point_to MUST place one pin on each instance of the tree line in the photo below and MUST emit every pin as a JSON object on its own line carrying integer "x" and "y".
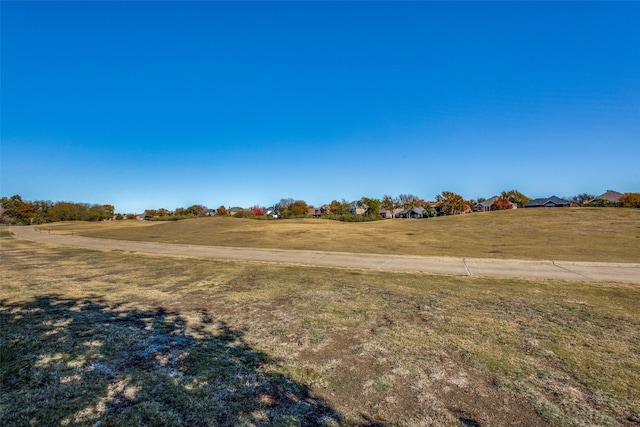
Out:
{"x": 15, "y": 210}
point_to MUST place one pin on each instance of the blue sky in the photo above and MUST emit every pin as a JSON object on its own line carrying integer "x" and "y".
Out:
{"x": 163, "y": 104}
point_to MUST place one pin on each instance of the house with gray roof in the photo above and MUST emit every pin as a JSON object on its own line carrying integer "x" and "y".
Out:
{"x": 415, "y": 212}
{"x": 390, "y": 213}
{"x": 549, "y": 202}
{"x": 355, "y": 208}
{"x": 486, "y": 205}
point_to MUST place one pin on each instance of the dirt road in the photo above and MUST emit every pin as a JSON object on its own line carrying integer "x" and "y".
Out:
{"x": 565, "y": 270}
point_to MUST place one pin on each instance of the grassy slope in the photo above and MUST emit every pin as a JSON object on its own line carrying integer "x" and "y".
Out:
{"x": 136, "y": 339}
{"x": 573, "y": 234}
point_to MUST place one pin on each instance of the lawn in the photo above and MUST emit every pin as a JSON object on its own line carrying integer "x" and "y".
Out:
{"x": 567, "y": 234}
{"x": 133, "y": 339}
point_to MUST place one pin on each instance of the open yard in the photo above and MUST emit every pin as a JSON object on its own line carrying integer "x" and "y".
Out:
{"x": 132, "y": 339}
{"x": 567, "y": 234}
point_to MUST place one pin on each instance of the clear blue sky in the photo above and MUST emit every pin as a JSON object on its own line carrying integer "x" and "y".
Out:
{"x": 163, "y": 104}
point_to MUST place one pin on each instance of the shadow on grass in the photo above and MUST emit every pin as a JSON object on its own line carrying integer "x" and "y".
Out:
{"x": 85, "y": 362}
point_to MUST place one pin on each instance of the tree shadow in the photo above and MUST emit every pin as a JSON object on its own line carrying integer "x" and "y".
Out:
{"x": 86, "y": 362}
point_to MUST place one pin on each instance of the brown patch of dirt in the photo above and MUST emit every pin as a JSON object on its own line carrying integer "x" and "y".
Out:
{"x": 385, "y": 392}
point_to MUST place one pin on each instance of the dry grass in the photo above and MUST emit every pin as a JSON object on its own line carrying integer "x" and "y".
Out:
{"x": 569, "y": 234}
{"x": 125, "y": 339}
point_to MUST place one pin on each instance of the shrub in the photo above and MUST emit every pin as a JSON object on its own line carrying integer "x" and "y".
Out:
{"x": 630, "y": 200}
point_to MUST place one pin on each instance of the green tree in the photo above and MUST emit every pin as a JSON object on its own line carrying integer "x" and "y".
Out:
{"x": 601, "y": 203}
{"x": 197, "y": 210}
{"x": 298, "y": 208}
{"x": 16, "y": 210}
{"x": 109, "y": 210}
{"x": 516, "y": 197}
{"x": 284, "y": 204}
{"x": 69, "y": 211}
{"x": 371, "y": 205}
{"x": 99, "y": 213}
{"x": 40, "y": 209}
{"x": 339, "y": 208}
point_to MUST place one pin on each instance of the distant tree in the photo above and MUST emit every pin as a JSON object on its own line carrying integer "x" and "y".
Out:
{"x": 99, "y": 212}
{"x": 3, "y": 218}
{"x": 516, "y": 197}
{"x": 151, "y": 212}
{"x": 387, "y": 203}
{"x": 257, "y": 211}
{"x": 450, "y": 203}
{"x": 501, "y": 203}
{"x": 197, "y": 210}
{"x": 582, "y": 199}
{"x": 109, "y": 210}
{"x": 298, "y": 208}
{"x": 480, "y": 199}
{"x": 69, "y": 211}
{"x": 130, "y": 216}
{"x": 339, "y": 208}
{"x": 180, "y": 212}
{"x": 163, "y": 212}
{"x": 222, "y": 211}
{"x": 119, "y": 217}
{"x": 16, "y": 210}
{"x": 630, "y": 200}
{"x": 429, "y": 211}
{"x": 40, "y": 211}
{"x": 372, "y": 207}
{"x": 407, "y": 201}
{"x": 284, "y": 204}
{"x": 240, "y": 213}
{"x": 602, "y": 203}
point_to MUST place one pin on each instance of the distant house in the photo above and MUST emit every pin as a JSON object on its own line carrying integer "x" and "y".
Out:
{"x": 234, "y": 210}
{"x": 390, "y": 213}
{"x": 271, "y": 212}
{"x": 610, "y": 196}
{"x": 411, "y": 213}
{"x": 356, "y": 209}
{"x": 486, "y": 205}
{"x": 322, "y": 210}
{"x": 549, "y": 202}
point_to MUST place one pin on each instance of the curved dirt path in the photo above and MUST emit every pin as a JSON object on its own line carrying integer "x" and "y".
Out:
{"x": 565, "y": 270}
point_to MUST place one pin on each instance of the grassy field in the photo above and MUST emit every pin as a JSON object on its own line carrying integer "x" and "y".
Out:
{"x": 568, "y": 234}
{"x": 131, "y": 339}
